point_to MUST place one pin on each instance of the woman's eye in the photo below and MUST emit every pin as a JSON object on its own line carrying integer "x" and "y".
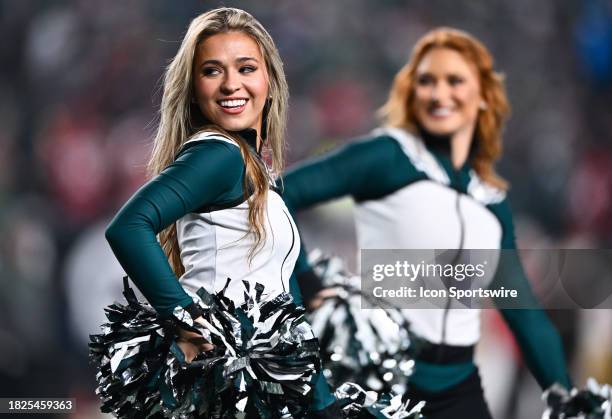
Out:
{"x": 248, "y": 69}
{"x": 210, "y": 71}
{"x": 455, "y": 80}
{"x": 425, "y": 80}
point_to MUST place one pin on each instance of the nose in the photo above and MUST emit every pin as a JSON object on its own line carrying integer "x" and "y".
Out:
{"x": 231, "y": 83}
{"x": 440, "y": 91}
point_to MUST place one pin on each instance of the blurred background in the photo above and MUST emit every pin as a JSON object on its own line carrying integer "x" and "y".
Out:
{"x": 79, "y": 91}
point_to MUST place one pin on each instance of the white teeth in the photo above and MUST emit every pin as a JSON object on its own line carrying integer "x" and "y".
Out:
{"x": 441, "y": 111}
{"x": 232, "y": 103}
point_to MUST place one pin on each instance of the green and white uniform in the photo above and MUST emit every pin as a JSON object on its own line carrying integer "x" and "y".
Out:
{"x": 202, "y": 191}
{"x": 408, "y": 196}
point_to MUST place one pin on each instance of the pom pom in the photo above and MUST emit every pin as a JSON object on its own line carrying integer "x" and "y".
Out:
{"x": 263, "y": 363}
{"x": 367, "y": 347}
{"x": 593, "y": 402}
{"x": 359, "y": 403}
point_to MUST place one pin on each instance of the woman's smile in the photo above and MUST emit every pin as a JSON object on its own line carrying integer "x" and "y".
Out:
{"x": 233, "y": 106}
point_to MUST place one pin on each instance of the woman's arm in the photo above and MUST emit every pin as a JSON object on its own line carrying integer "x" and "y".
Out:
{"x": 537, "y": 337}
{"x": 364, "y": 169}
{"x": 205, "y": 173}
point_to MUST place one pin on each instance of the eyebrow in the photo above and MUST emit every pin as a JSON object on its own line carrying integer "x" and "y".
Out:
{"x": 239, "y": 60}
{"x": 431, "y": 73}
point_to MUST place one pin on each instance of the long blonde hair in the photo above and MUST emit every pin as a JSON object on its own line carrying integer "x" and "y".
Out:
{"x": 180, "y": 118}
{"x": 398, "y": 110}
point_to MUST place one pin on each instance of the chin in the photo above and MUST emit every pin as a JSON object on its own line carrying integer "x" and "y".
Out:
{"x": 233, "y": 125}
{"x": 438, "y": 129}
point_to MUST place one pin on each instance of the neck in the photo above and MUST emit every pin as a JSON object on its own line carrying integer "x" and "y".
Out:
{"x": 251, "y": 137}
{"x": 460, "y": 145}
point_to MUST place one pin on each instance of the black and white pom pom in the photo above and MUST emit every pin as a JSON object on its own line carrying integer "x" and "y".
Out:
{"x": 593, "y": 402}
{"x": 263, "y": 363}
{"x": 356, "y": 402}
{"x": 366, "y": 347}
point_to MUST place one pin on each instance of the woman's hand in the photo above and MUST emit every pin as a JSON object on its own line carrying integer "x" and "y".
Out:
{"x": 321, "y": 296}
{"x": 192, "y": 343}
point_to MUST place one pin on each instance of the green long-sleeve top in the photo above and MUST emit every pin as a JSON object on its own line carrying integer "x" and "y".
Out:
{"x": 408, "y": 196}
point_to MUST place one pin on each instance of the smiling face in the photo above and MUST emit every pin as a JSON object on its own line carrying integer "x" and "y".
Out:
{"x": 230, "y": 81}
{"x": 447, "y": 94}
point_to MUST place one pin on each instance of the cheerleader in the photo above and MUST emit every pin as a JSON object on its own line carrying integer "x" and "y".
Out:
{"x": 426, "y": 180}
{"x": 211, "y": 197}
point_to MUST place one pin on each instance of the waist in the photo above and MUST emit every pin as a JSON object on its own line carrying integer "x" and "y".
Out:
{"x": 442, "y": 354}
{"x": 439, "y": 367}
{"x": 234, "y": 288}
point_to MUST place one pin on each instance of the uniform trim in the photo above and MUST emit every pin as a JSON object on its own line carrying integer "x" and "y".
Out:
{"x": 423, "y": 160}
{"x": 219, "y": 207}
{"x": 215, "y": 237}
{"x": 208, "y": 135}
{"x": 483, "y": 192}
{"x": 416, "y": 151}
{"x": 290, "y": 248}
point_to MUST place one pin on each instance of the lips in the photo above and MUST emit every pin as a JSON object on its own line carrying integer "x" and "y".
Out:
{"x": 232, "y": 106}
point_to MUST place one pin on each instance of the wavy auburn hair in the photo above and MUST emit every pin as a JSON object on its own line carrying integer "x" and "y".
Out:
{"x": 399, "y": 112}
{"x": 180, "y": 118}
